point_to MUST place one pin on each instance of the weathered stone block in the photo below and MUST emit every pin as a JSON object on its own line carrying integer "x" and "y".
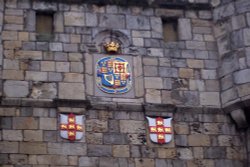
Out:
{"x": 169, "y": 12}
{"x": 137, "y": 22}
{"x": 242, "y": 6}
{"x": 115, "y": 138}
{"x": 131, "y": 126}
{"x": 153, "y": 82}
{"x": 48, "y": 123}
{"x": 8, "y": 147}
{"x": 99, "y": 150}
{"x": 215, "y": 152}
{"x": 9, "y": 35}
{"x": 74, "y": 19}
{"x": 144, "y": 162}
{"x": 168, "y": 72}
{"x": 186, "y": 73}
{"x": 94, "y": 138}
{"x": 56, "y": 77}
{"x": 196, "y": 85}
{"x": 7, "y": 111}
{"x": 31, "y": 55}
{"x": 243, "y": 89}
{"x": 95, "y": 125}
{"x": 25, "y": 123}
{"x": 242, "y": 76}
{"x": 198, "y": 140}
{"x": 210, "y": 98}
{"x": 184, "y": 153}
{"x": 88, "y": 161}
{"x": 150, "y": 71}
{"x": 121, "y": 151}
{"x": 12, "y": 135}
{"x": 196, "y": 45}
{"x": 56, "y": 47}
{"x": 16, "y": 88}
{"x": 33, "y": 148}
{"x": 192, "y": 63}
{"x": 209, "y": 74}
{"x": 76, "y": 67}
{"x": 62, "y": 66}
{"x": 33, "y": 135}
{"x": 36, "y": 76}
{"x": 108, "y": 20}
{"x": 153, "y": 96}
{"x": 71, "y": 91}
{"x": 73, "y": 77}
{"x": 58, "y": 22}
{"x": 167, "y": 153}
{"x": 184, "y": 29}
{"x": 54, "y": 160}
{"x": 228, "y": 95}
{"x": 13, "y": 74}
{"x": 223, "y": 11}
{"x": 181, "y": 140}
{"x": 67, "y": 148}
{"x": 47, "y": 66}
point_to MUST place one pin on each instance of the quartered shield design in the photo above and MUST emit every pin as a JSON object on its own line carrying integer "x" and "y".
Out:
{"x": 113, "y": 75}
{"x": 160, "y": 129}
{"x": 71, "y": 126}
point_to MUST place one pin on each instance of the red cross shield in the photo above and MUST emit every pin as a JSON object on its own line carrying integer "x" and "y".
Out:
{"x": 71, "y": 126}
{"x": 160, "y": 129}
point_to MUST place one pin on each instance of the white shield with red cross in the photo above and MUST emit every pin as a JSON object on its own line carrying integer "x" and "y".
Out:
{"x": 71, "y": 126}
{"x": 160, "y": 129}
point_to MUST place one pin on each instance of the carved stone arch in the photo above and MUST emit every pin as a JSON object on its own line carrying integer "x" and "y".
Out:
{"x": 102, "y": 37}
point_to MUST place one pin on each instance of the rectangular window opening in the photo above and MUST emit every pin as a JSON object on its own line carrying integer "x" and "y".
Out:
{"x": 170, "y": 29}
{"x": 44, "y": 26}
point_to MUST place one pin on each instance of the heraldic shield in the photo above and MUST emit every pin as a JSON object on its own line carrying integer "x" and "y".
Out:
{"x": 160, "y": 129}
{"x": 113, "y": 75}
{"x": 71, "y": 126}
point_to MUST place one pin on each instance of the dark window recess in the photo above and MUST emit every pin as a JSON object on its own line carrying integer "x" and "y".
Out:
{"x": 170, "y": 29}
{"x": 44, "y": 26}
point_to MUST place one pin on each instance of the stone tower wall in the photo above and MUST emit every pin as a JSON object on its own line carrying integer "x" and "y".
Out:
{"x": 179, "y": 79}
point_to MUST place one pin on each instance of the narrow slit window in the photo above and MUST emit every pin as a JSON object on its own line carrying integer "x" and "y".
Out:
{"x": 170, "y": 29}
{"x": 44, "y": 26}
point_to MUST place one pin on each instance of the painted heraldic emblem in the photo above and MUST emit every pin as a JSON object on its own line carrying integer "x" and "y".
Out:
{"x": 113, "y": 75}
{"x": 71, "y": 126}
{"x": 160, "y": 129}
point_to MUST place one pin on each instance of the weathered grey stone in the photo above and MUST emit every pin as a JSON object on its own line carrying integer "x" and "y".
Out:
{"x": 30, "y": 21}
{"x": 215, "y": 152}
{"x": 238, "y": 22}
{"x": 153, "y": 82}
{"x": 144, "y": 162}
{"x": 212, "y": 85}
{"x": 33, "y": 148}
{"x": 223, "y": 44}
{"x": 181, "y": 140}
{"x": 242, "y": 6}
{"x": 196, "y": 85}
{"x": 108, "y": 20}
{"x": 196, "y": 45}
{"x": 184, "y": 153}
{"x": 44, "y": 91}
{"x": 55, "y": 46}
{"x": 58, "y": 22}
{"x": 12, "y": 135}
{"x": 137, "y": 22}
{"x": 6, "y": 122}
{"x": 210, "y": 98}
{"x": 242, "y": 76}
{"x": 95, "y": 125}
{"x": 156, "y": 25}
{"x": 53, "y": 160}
{"x": 71, "y": 91}
{"x": 228, "y": 65}
{"x": 48, "y": 123}
{"x": 25, "y": 123}
{"x": 8, "y": 147}
{"x": 209, "y": 74}
{"x": 16, "y": 88}
{"x": 53, "y": 76}
{"x": 153, "y": 96}
{"x": 45, "y": 6}
{"x": 67, "y": 148}
{"x": 169, "y": 12}
{"x": 62, "y": 66}
{"x": 237, "y": 39}
{"x": 184, "y": 29}
{"x": 36, "y": 76}
{"x": 150, "y": 71}
{"x": 88, "y": 161}
{"x": 99, "y": 150}
{"x": 223, "y": 11}
{"x": 115, "y": 138}
{"x": 33, "y": 135}
{"x": 168, "y": 72}
{"x": 131, "y": 126}
{"x": 243, "y": 90}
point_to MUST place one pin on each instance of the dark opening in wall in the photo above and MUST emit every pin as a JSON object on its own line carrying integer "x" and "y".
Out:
{"x": 170, "y": 29}
{"x": 44, "y": 26}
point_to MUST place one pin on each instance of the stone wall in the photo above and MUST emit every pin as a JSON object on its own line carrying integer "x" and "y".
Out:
{"x": 41, "y": 79}
{"x": 29, "y": 137}
{"x": 232, "y": 34}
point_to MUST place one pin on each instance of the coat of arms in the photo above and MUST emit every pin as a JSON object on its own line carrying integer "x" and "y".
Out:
{"x": 71, "y": 126}
{"x": 160, "y": 129}
{"x": 113, "y": 75}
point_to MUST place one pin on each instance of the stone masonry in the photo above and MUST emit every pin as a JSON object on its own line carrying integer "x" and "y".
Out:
{"x": 202, "y": 81}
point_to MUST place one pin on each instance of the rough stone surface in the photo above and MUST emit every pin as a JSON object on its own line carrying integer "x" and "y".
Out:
{"x": 71, "y": 91}
{"x": 16, "y": 88}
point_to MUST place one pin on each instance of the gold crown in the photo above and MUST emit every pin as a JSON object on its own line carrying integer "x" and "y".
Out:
{"x": 112, "y": 46}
